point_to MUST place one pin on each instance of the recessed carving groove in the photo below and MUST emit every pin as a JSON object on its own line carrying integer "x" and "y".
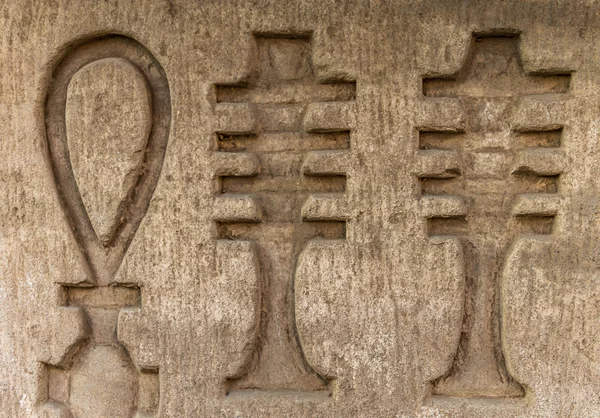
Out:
{"x": 280, "y": 90}
{"x": 100, "y": 368}
{"x": 537, "y": 139}
{"x": 272, "y": 142}
{"x": 508, "y": 181}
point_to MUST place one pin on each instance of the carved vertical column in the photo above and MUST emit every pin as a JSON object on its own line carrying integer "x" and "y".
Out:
{"x": 266, "y": 128}
{"x": 486, "y": 178}
{"x": 108, "y": 117}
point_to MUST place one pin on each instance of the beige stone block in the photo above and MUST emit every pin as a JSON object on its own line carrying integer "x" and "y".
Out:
{"x": 299, "y": 209}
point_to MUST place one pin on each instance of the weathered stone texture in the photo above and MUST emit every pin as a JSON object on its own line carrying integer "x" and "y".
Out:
{"x": 299, "y": 208}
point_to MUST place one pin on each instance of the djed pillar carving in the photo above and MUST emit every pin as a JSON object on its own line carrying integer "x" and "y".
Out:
{"x": 486, "y": 179}
{"x": 268, "y": 126}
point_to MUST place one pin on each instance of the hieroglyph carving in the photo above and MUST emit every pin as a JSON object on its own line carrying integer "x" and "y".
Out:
{"x": 97, "y": 378}
{"x": 487, "y": 178}
{"x": 268, "y": 125}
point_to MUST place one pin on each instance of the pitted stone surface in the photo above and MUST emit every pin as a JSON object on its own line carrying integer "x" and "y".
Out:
{"x": 108, "y": 121}
{"x": 299, "y": 209}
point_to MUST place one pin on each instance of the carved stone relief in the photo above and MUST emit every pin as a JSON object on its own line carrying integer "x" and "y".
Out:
{"x": 488, "y": 181}
{"x": 265, "y": 191}
{"x": 367, "y": 209}
{"x": 105, "y": 170}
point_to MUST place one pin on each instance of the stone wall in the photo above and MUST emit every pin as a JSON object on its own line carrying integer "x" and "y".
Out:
{"x": 299, "y": 208}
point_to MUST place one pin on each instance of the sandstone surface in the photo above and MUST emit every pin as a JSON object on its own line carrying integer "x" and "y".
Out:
{"x": 308, "y": 208}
